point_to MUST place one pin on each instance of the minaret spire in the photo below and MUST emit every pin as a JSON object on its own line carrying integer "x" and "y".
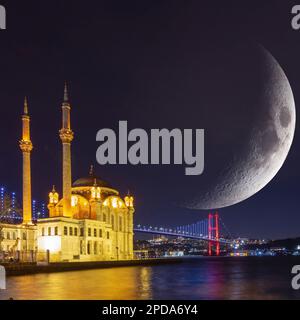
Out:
{"x": 25, "y": 106}
{"x": 66, "y": 95}
{"x": 66, "y": 135}
{"x": 26, "y": 148}
{"x": 91, "y": 172}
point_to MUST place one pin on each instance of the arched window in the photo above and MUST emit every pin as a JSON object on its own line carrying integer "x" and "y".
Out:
{"x": 70, "y": 231}
{"x": 56, "y": 231}
{"x": 100, "y": 233}
{"x": 81, "y": 232}
{"x": 49, "y": 231}
{"x": 65, "y": 231}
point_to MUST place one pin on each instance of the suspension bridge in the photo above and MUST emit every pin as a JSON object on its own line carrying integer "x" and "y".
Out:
{"x": 207, "y": 230}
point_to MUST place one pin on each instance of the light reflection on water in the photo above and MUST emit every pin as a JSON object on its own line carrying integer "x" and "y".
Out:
{"x": 114, "y": 283}
{"x": 202, "y": 278}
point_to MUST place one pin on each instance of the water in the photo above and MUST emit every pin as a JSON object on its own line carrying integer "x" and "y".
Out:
{"x": 200, "y": 278}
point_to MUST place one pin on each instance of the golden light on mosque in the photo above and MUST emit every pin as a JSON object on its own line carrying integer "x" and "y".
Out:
{"x": 53, "y": 196}
{"x": 51, "y": 243}
{"x": 129, "y": 201}
{"x": 95, "y": 193}
{"x": 74, "y": 201}
{"x": 76, "y": 216}
{"x": 114, "y": 202}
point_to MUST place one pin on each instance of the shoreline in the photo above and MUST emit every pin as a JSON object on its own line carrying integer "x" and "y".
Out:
{"x": 32, "y": 268}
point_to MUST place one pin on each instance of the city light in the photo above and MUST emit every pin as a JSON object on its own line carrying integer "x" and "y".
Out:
{"x": 51, "y": 243}
{"x": 10, "y": 210}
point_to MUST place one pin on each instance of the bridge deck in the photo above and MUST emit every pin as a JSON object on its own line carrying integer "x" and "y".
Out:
{"x": 181, "y": 234}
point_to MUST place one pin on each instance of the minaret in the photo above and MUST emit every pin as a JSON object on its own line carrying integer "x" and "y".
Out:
{"x": 66, "y": 135}
{"x": 26, "y": 147}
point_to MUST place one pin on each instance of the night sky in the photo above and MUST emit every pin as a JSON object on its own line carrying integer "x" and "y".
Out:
{"x": 145, "y": 62}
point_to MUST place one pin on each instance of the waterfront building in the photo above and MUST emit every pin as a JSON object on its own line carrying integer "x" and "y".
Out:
{"x": 18, "y": 242}
{"x": 90, "y": 222}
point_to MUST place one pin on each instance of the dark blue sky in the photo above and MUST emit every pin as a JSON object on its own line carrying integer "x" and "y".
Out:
{"x": 137, "y": 61}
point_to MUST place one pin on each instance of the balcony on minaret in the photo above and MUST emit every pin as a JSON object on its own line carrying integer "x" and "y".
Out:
{"x": 66, "y": 135}
{"x": 25, "y": 142}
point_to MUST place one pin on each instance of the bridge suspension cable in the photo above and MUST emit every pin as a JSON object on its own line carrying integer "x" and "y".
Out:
{"x": 207, "y": 229}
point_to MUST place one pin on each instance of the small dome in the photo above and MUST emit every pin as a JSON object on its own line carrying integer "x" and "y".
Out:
{"x": 90, "y": 180}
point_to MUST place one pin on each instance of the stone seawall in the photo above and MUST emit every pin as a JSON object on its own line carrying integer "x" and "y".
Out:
{"x": 14, "y": 269}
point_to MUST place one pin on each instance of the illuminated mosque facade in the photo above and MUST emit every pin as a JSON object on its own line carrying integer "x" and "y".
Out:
{"x": 91, "y": 222}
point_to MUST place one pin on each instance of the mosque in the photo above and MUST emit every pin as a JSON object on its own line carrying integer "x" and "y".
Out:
{"x": 90, "y": 222}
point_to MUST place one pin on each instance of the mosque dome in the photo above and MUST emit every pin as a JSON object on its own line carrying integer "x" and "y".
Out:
{"x": 90, "y": 180}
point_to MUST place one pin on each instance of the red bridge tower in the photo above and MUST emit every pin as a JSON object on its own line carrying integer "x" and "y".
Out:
{"x": 213, "y": 233}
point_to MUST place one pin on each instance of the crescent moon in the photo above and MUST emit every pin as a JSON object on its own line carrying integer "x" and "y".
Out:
{"x": 268, "y": 145}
